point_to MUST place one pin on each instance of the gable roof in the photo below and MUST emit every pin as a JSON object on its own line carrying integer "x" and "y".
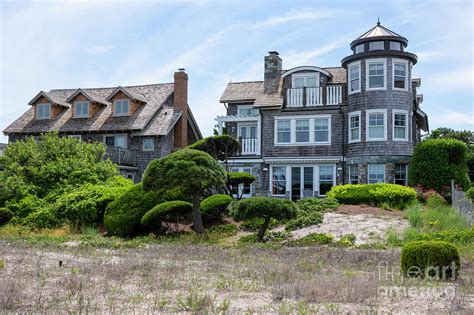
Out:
{"x": 156, "y": 94}
{"x": 242, "y": 91}
{"x": 91, "y": 96}
{"x": 132, "y": 94}
{"x": 52, "y": 98}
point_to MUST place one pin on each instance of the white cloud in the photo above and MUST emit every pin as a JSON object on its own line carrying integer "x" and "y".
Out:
{"x": 294, "y": 16}
{"x": 429, "y": 55}
{"x": 98, "y": 49}
{"x": 441, "y": 116}
{"x": 450, "y": 81}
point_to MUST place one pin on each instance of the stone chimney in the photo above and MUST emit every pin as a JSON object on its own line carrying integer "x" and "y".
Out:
{"x": 181, "y": 104}
{"x": 273, "y": 67}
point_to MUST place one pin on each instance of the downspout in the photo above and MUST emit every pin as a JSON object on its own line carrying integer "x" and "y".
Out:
{"x": 343, "y": 146}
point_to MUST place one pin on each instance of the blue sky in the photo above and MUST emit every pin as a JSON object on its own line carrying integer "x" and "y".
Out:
{"x": 71, "y": 44}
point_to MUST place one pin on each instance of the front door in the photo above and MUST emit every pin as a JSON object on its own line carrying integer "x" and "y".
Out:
{"x": 302, "y": 179}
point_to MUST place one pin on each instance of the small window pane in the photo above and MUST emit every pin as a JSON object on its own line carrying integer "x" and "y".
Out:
{"x": 354, "y": 127}
{"x": 325, "y": 179}
{"x": 110, "y": 141}
{"x": 401, "y": 174}
{"x": 395, "y": 46}
{"x": 311, "y": 82}
{"x": 120, "y": 142}
{"x": 353, "y": 174}
{"x": 400, "y": 126}
{"x": 354, "y": 75}
{"x": 376, "y": 45}
{"x": 148, "y": 144}
{"x": 376, "y": 75}
{"x": 399, "y": 76}
{"x": 376, "y": 126}
{"x": 321, "y": 128}
{"x": 278, "y": 180}
{"x": 299, "y": 82}
{"x": 283, "y": 131}
{"x": 302, "y": 130}
{"x": 376, "y": 173}
{"x": 359, "y": 48}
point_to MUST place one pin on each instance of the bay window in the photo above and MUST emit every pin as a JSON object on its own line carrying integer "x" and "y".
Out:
{"x": 375, "y": 73}
{"x": 376, "y": 125}
{"x": 400, "y": 74}
{"x": 376, "y": 173}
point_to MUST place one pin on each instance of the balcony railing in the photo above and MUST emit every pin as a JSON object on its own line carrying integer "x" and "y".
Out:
{"x": 249, "y": 146}
{"x": 121, "y": 156}
{"x": 315, "y": 96}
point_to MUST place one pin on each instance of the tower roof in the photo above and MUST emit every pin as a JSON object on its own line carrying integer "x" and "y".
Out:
{"x": 379, "y": 32}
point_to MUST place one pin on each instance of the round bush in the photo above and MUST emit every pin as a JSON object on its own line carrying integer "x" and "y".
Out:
{"x": 167, "y": 211}
{"x": 5, "y": 215}
{"x": 470, "y": 193}
{"x": 123, "y": 215}
{"x": 375, "y": 194}
{"x": 430, "y": 259}
{"x": 215, "y": 207}
{"x": 436, "y": 162}
{"x": 237, "y": 178}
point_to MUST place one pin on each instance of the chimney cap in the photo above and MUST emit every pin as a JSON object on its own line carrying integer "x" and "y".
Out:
{"x": 181, "y": 69}
{"x": 274, "y": 53}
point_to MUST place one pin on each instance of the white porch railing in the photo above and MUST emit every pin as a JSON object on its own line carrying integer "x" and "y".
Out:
{"x": 334, "y": 94}
{"x": 249, "y": 146}
{"x": 314, "y": 96}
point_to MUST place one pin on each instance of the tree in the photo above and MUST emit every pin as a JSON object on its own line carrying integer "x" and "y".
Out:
{"x": 266, "y": 208}
{"x": 52, "y": 164}
{"x": 234, "y": 179}
{"x": 438, "y": 161}
{"x": 192, "y": 171}
{"x": 219, "y": 147}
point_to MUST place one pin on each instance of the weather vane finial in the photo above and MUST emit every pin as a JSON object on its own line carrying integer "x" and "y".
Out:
{"x": 378, "y": 20}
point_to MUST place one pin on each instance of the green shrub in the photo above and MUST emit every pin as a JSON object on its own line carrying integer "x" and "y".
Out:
{"x": 247, "y": 239}
{"x": 215, "y": 207}
{"x": 461, "y": 237}
{"x": 266, "y": 208}
{"x": 436, "y": 162}
{"x": 86, "y": 204}
{"x": 253, "y": 224}
{"x": 123, "y": 215}
{"x": 375, "y": 194}
{"x": 347, "y": 240}
{"x": 317, "y": 204}
{"x": 25, "y": 206}
{"x": 223, "y": 229}
{"x": 414, "y": 215}
{"x": 169, "y": 211}
{"x": 273, "y": 237}
{"x": 42, "y": 219}
{"x": 435, "y": 200}
{"x": 5, "y": 215}
{"x": 313, "y": 239}
{"x": 304, "y": 219}
{"x": 431, "y": 258}
{"x": 470, "y": 193}
{"x": 237, "y": 178}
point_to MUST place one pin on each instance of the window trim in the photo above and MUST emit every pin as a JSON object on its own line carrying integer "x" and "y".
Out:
{"x": 312, "y": 130}
{"x": 37, "y": 110}
{"x": 406, "y": 63}
{"x": 305, "y": 75}
{"x": 121, "y": 113}
{"x": 367, "y": 115}
{"x": 395, "y": 173}
{"x": 143, "y": 144}
{"x": 384, "y": 171}
{"x": 82, "y": 103}
{"x": 395, "y": 42}
{"x": 377, "y": 41}
{"x": 239, "y": 107}
{"x": 349, "y": 80}
{"x": 116, "y": 135}
{"x": 407, "y": 127}
{"x": 271, "y": 180}
{"x": 367, "y": 83}
{"x": 352, "y": 167}
{"x": 350, "y": 115}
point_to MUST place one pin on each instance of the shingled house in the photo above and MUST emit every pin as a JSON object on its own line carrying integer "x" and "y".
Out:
{"x": 308, "y": 128}
{"x": 137, "y": 123}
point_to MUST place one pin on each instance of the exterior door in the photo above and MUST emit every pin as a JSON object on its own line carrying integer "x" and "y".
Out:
{"x": 248, "y": 131}
{"x": 302, "y": 182}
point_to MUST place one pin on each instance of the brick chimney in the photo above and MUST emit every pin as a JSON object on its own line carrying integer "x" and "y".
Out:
{"x": 181, "y": 104}
{"x": 273, "y": 67}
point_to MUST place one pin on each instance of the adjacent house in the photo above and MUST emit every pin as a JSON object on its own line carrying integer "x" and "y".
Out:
{"x": 308, "y": 128}
{"x": 136, "y": 123}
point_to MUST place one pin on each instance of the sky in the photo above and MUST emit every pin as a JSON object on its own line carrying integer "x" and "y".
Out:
{"x": 48, "y": 45}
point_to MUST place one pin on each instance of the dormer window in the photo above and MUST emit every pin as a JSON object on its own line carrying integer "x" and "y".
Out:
{"x": 121, "y": 107}
{"x": 81, "y": 109}
{"x": 305, "y": 80}
{"x": 376, "y": 45}
{"x": 43, "y": 111}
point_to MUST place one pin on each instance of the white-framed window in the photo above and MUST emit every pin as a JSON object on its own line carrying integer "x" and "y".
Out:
{"x": 302, "y": 130}
{"x": 400, "y": 74}
{"x": 326, "y": 178}
{"x": 400, "y": 125}
{"x": 379, "y": 45}
{"x": 278, "y": 180}
{"x": 121, "y": 107}
{"x": 354, "y": 77}
{"x": 81, "y": 109}
{"x": 79, "y": 137}
{"x": 401, "y": 174}
{"x": 149, "y": 144}
{"x": 353, "y": 174}
{"x": 300, "y": 80}
{"x": 359, "y": 48}
{"x": 375, "y": 74}
{"x": 395, "y": 46}
{"x": 376, "y": 173}
{"x": 354, "y": 126}
{"x": 116, "y": 141}
{"x": 376, "y": 124}
{"x": 244, "y": 190}
{"x": 283, "y": 131}
{"x": 43, "y": 111}
{"x": 247, "y": 110}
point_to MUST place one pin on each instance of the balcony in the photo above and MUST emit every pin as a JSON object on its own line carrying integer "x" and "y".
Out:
{"x": 332, "y": 94}
{"x": 250, "y": 146}
{"x": 121, "y": 156}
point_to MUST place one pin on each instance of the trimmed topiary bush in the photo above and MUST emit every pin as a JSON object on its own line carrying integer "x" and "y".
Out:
{"x": 436, "y": 162}
{"x": 374, "y": 194}
{"x": 5, "y": 215}
{"x": 169, "y": 211}
{"x": 254, "y": 224}
{"x": 123, "y": 215}
{"x": 215, "y": 207}
{"x": 266, "y": 208}
{"x": 435, "y": 259}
